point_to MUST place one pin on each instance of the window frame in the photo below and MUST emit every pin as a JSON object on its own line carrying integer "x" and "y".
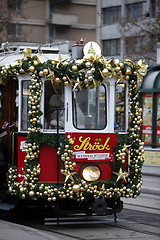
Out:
{"x": 131, "y": 8}
{"x": 116, "y": 15}
{"x": 16, "y": 6}
{"x": 42, "y": 104}
{"x": 17, "y": 27}
{"x": 111, "y": 45}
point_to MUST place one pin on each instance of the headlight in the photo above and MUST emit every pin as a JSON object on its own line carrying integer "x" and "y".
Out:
{"x": 90, "y": 172}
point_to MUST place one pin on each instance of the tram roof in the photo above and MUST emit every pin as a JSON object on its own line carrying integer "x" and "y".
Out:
{"x": 151, "y": 81}
{"x": 14, "y": 51}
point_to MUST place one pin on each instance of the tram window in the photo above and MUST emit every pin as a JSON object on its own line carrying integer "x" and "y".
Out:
{"x": 120, "y": 107}
{"x": 25, "y": 107}
{"x": 53, "y": 102}
{"x": 89, "y": 108}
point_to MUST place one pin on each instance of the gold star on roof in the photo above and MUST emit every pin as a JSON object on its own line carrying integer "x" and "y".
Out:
{"x": 59, "y": 60}
{"x": 121, "y": 175}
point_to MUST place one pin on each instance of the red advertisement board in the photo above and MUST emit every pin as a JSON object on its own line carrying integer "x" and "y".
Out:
{"x": 93, "y": 148}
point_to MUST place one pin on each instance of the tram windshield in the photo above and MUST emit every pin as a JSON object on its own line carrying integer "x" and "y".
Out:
{"x": 89, "y": 108}
{"x": 120, "y": 107}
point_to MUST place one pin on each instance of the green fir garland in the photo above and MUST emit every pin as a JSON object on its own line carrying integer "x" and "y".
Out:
{"x": 90, "y": 72}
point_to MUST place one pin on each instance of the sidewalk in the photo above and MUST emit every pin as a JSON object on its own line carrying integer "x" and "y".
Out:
{"x": 11, "y": 231}
{"x": 151, "y": 179}
{"x": 151, "y": 170}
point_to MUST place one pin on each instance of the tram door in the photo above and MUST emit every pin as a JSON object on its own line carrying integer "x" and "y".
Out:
{"x": 8, "y": 115}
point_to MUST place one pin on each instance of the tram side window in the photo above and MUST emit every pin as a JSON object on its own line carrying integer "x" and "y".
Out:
{"x": 89, "y": 108}
{"x": 25, "y": 107}
{"x": 53, "y": 102}
{"x": 120, "y": 107}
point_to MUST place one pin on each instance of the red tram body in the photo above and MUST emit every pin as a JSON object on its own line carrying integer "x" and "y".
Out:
{"x": 80, "y": 144}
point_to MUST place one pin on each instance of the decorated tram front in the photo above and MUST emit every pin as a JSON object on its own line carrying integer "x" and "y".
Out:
{"x": 78, "y": 141}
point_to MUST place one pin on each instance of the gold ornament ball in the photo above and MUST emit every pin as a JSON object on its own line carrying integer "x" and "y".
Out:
{"x": 31, "y": 193}
{"x": 66, "y": 83}
{"x": 31, "y": 68}
{"x": 23, "y": 196}
{"x": 64, "y": 78}
{"x": 105, "y": 72}
{"x": 41, "y": 74}
{"x": 57, "y": 80}
{"x": 76, "y": 188}
{"x": 116, "y": 62}
{"x": 35, "y": 63}
{"x": 128, "y": 71}
{"x": 90, "y": 78}
{"x": 74, "y": 68}
{"x": 45, "y": 71}
{"x": 88, "y": 64}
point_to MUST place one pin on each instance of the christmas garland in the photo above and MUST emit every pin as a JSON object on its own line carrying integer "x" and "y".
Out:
{"x": 87, "y": 72}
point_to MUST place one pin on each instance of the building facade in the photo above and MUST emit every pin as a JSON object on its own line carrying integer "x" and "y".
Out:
{"x": 47, "y": 21}
{"x": 129, "y": 28}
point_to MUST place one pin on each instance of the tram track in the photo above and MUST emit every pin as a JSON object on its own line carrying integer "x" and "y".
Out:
{"x": 114, "y": 225}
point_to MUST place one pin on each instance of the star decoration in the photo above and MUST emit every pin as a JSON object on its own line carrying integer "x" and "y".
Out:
{"x": 71, "y": 140}
{"x": 69, "y": 175}
{"x": 125, "y": 147}
{"x": 102, "y": 189}
{"x": 121, "y": 175}
{"x": 59, "y": 60}
{"x": 51, "y": 75}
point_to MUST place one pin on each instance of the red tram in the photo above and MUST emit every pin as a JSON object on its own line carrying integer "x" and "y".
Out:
{"x": 79, "y": 123}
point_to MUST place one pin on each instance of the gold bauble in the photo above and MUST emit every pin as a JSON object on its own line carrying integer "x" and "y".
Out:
{"x": 31, "y": 193}
{"x": 66, "y": 83}
{"x": 35, "y": 63}
{"x": 23, "y": 196}
{"x": 90, "y": 78}
{"x": 57, "y": 80}
{"x": 116, "y": 62}
{"x": 74, "y": 68}
{"x": 21, "y": 189}
{"x": 117, "y": 69}
{"x": 88, "y": 64}
{"x": 64, "y": 78}
{"x": 45, "y": 71}
{"x": 76, "y": 188}
{"x": 105, "y": 72}
{"x": 41, "y": 74}
{"x": 31, "y": 68}
{"x": 128, "y": 71}
{"x": 127, "y": 78}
